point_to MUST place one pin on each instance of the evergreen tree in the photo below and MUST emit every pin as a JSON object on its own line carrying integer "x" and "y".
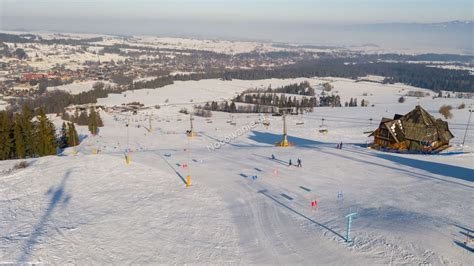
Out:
{"x": 63, "y": 140}
{"x": 100, "y": 123}
{"x": 27, "y": 130}
{"x": 72, "y": 137}
{"x": 82, "y": 119}
{"x": 232, "y": 107}
{"x": 18, "y": 137}
{"x": 45, "y": 135}
{"x": 5, "y": 139}
{"x": 93, "y": 121}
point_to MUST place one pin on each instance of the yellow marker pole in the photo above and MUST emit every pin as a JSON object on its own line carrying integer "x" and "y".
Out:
{"x": 128, "y": 159}
{"x": 94, "y": 151}
{"x": 188, "y": 181}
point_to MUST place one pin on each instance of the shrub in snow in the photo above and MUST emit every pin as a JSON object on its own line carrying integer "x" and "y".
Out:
{"x": 445, "y": 110}
{"x": 20, "y": 165}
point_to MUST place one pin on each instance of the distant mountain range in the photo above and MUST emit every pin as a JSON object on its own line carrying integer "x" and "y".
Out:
{"x": 453, "y": 37}
{"x": 454, "y": 25}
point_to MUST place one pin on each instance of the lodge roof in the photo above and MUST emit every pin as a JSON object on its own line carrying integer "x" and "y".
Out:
{"x": 417, "y": 125}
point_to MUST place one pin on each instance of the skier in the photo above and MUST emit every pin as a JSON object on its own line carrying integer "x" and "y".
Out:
{"x": 289, "y": 163}
{"x": 299, "y": 162}
{"x": 340, "y": 146}
{"x": 273, "y": 157}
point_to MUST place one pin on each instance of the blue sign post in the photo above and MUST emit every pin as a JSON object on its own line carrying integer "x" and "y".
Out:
{"x": 349, "y": 221}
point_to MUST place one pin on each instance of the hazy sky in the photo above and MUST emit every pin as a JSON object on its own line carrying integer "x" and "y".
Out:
{"x": 339, "y": 11}
{"x": 325, "y": 22}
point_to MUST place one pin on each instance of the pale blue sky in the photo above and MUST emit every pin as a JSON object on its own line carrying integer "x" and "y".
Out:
{"x": 334, "y": 11}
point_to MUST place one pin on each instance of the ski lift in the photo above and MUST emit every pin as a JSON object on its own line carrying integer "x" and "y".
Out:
{"x": 301, "y": 121}
{"x": 322, "y": 128}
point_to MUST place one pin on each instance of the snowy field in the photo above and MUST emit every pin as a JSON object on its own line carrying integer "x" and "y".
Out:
{"x": 84, "y": 209}
{"x": 78, "y": 87}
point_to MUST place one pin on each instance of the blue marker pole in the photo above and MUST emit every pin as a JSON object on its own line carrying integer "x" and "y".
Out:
{"x": 349, "y": 221}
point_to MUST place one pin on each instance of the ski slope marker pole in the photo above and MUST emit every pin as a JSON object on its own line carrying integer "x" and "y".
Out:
{"x": 128, "y": 159}
{"x": 349, "y": 221}
{"x": 188, "y": 181}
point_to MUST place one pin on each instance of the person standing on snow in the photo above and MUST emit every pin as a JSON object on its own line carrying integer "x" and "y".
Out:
{"x": 289, "y": 163}
{"x": 299, "y": 162}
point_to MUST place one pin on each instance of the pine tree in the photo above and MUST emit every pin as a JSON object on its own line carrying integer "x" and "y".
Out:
{"x": 72, "y": 137}
{"x": 63, "y": 141}
{"x": 82, "y": 119}
{"x": 27, "y": 131}
{"x": 226, "y": 107}
{"x": 45, "y": 135}
{"x": 100, "y": 123}
{"x": 5, "y": 139}
{"x": 232, "y": 107}
{"x": 18, "y": 137}
{"x": 92, "y": 121}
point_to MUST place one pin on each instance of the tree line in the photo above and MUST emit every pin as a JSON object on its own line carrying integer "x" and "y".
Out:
{"x": 91, "y": 119}
{"x": 302, "y": 88}
{"x": 55, "y": 101}
{"x": 29, "y": 134}
{"x": 417, "y": 75}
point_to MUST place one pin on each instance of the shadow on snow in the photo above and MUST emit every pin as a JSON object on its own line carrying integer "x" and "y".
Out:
{"x": 264, "y": 192}
{"x": 270, "y": 138}
{"x": 58, "y": 196}
{"x": 453, "y": 171}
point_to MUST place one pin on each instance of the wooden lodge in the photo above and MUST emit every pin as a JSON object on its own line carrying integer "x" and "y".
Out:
{"x": 417, "y": 131}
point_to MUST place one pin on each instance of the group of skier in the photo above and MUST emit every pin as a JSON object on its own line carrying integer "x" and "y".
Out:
{"x": 290, "y": 162}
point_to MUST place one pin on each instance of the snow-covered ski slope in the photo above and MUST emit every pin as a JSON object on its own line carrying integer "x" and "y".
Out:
{"x": 97, "y": 209}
